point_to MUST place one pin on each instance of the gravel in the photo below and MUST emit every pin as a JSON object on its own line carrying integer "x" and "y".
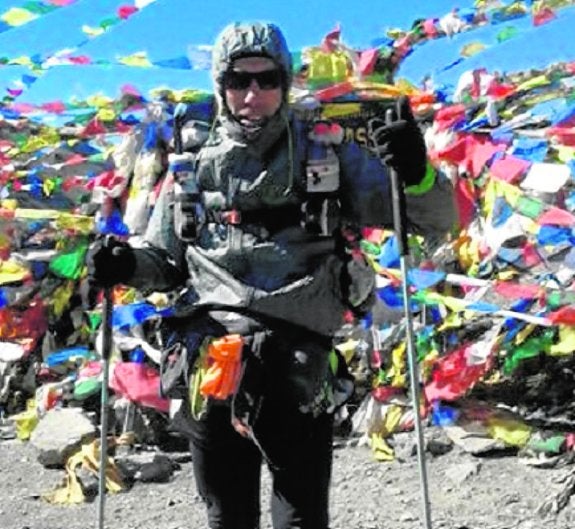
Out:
{"x": 465, "y": 492}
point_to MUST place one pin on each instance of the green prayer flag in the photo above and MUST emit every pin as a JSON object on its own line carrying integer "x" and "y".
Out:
{"x": 507, "y": 33}
{"x": 530, "y": 207}
{"x": 109, "y": 22}
{"x": 530, "y": 348}
{"x": 69, "y": 265}
{"x": 39, "y": 8}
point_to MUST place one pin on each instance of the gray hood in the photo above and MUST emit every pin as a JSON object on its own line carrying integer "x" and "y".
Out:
{"x": 245, "y": 39}
{"x": 242, "y": 39}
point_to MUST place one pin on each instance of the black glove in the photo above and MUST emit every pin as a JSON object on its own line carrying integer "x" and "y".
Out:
{"x": 398, "y": 142}
{"x": 110, "y": 262}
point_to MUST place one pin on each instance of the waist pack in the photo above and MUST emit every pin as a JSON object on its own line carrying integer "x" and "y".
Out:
{"x": 184, "y": 341}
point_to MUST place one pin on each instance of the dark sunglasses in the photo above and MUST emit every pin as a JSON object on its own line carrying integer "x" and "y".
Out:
{"x": 266, "y": 80}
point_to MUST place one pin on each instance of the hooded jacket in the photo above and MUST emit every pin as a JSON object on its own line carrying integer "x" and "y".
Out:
{"x": 269, "y": 263}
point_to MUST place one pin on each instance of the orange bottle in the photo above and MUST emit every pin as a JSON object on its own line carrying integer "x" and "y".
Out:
{"x": 224, "y": 367}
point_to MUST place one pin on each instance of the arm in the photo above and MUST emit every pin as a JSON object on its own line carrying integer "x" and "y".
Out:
{"x": 396, "y": 140}
{"x": 366, "y": 195}
{"x": 160, "y": 263}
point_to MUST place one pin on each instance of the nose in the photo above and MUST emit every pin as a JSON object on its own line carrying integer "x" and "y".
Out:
{"x": 253, "y": 90}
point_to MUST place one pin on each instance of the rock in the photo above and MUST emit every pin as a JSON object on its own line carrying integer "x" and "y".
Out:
{"x": 437, "y": 443}
{"x": 407, "y": 517}
{"x": 462, "y": 472}
{"x": 160, "y": 470}
{"x": 60, "y": 433}
{"x": 473, "y": 440}
{"x": 89, "y": 482}
{"x": 404, "y": 445}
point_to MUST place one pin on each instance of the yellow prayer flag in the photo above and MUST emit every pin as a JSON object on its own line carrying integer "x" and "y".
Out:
{"x": 471, "y": 49}
{"x": 398, "y": 366}
{"x": 566, "y": 344}
{"x": 381, "y": 450}
{"x": 392, "y": 420}
{"x": 510, "y": 431}
{"x": 61, "y": 298}
{"x": 339, "y": 110}
{"x": 510, "y": 192}
{"x": 11, "y": 272}
{"x": 78, "y": 223}
{"x": 138, "y": 60}
{"x": 565, "y": 154}
{"x": 17, "y": 16}
{"x": 36, "y": 214}
{"x": 23, "y": 60}
{"x": 98, "y": 101}
{"x": 347, "y": 349}
{"x": 92, "y": 32}
{"x": 535, "y": 82}
{"x": 524, "y": 333}
{"x": 106, "y": 114}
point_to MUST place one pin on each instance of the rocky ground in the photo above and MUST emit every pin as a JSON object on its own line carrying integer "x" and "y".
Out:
{"x": 500, "y": 491}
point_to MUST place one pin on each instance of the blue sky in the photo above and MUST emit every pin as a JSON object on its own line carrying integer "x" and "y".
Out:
{"x": 534, "y": 47}
{"x": 165, "y": 28}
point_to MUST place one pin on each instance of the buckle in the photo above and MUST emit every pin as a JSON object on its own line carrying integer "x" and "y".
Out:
{"x": 233, "y": 216}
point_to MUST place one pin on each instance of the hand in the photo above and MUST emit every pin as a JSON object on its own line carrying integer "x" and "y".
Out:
{"x": 110, "y": 262}
{"x": 398, "y": 142}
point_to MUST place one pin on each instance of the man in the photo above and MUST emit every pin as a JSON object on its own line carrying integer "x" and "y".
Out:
{"x": 267, "y": 259}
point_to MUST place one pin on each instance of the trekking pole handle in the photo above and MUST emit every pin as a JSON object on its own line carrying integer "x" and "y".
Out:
{"x": 179, "y": 117}
{"x": 398, "y": 201}
{"x": 107, "y": 309}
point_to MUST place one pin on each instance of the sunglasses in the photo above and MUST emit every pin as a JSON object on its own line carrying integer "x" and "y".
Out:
{"x": 266, "y": 80}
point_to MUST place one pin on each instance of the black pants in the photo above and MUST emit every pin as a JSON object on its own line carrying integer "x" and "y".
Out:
{"x": 227, "y": 468}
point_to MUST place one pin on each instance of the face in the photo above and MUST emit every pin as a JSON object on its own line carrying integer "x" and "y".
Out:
{"x": 252, "y": 98}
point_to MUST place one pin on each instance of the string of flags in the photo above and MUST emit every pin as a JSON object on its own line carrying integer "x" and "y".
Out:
{"x": 496, "y": 294}
{"x": 397, "y": 42}
{"x": 15, "y": 17}
{"x": 40, "y": 63}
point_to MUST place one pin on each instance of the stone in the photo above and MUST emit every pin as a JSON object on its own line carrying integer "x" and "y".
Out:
{"x": 60, "y": 433}
{"x": 462, "y": 472}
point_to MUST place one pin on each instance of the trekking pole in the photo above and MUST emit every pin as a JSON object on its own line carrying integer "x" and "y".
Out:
{"x": 179, "y": 118}
{"x": 107, "y": 307}
{"x": 398, "y": 200}
{"x": 399, "y": 224}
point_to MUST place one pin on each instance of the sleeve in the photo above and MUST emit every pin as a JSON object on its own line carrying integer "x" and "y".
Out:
{"x": 366, "y": 195}
{"x": 431, "y": 205}
{"x": 160, "y": 262}
{"x": 365, "y": 188}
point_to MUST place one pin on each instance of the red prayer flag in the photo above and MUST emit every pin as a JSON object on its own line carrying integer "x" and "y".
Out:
{"x": 557, "y": 217}
{"x": 511, "y": 290}
{"x": 75, "y": 159}
{"x": 430, "y": 28}
{"x": 544, "y": 15}
{"x": 56, "y": 107}
{"x": 453, "y": 377}
{"x": 564, "y": 135}
{"x": 447, "y": 116}
{"x": 139, "y": 383}
{"x": 564, "y": 316}
{"x": 455, "y": 152}
{"x": 465, "y": 202}
{"x": 367, "y": 61}
{"x": 509, "y": 168}
{"x": 499, "y": 90}
{"x": 61, "y": 3}
{"x": 126, "y": 11}
{"x": 80, "y": 59}
{"x": 93, "y": 128}
{"x": 480, "y": 151}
